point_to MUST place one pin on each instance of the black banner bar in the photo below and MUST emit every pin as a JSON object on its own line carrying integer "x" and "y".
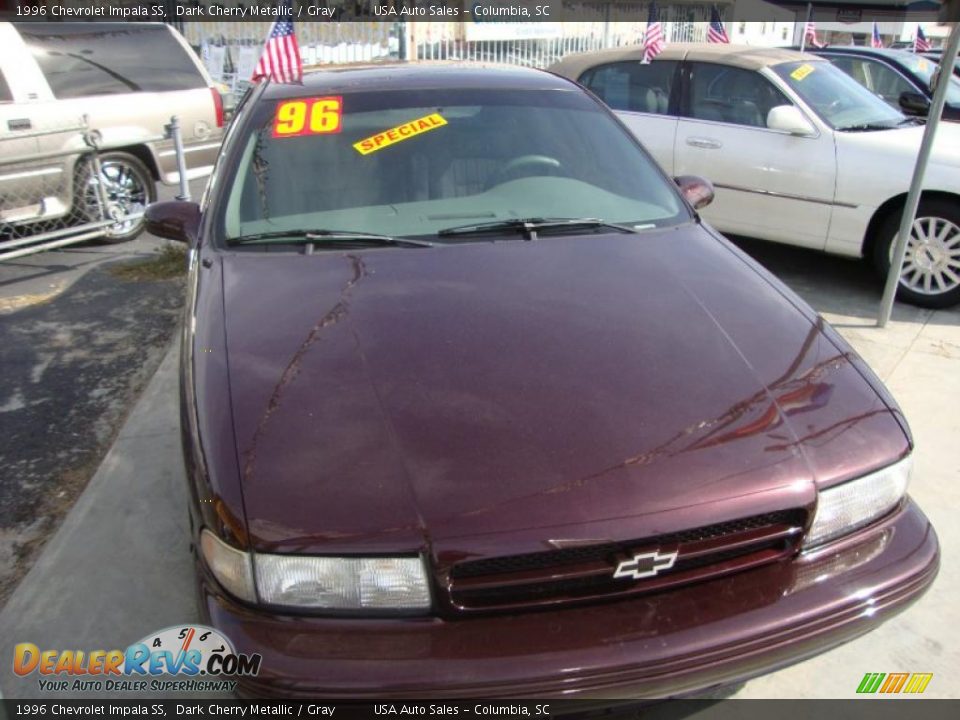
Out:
{"x": 470, "y": 10}
{"x": 878, "y": 709}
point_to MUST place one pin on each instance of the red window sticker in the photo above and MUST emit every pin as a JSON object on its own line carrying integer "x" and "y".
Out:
{"x": 308, "y": 116}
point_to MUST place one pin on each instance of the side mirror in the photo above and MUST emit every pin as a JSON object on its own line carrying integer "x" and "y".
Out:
{"x": 788, "y": 118}
{"x": 696, "y": 190}
{"x": 174, "y": 220}
{"x": 914, "y": 103}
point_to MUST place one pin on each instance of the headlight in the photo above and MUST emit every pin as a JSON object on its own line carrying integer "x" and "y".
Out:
{"x": 342, "y": 583}
{"x": 853, "y": 504}
{"x": 322, "y": 583}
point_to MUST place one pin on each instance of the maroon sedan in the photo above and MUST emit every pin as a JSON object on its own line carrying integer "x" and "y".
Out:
{"x": 474, "y": 404}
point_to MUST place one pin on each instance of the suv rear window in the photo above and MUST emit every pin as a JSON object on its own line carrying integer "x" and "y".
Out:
{"x": 86, "y": 59}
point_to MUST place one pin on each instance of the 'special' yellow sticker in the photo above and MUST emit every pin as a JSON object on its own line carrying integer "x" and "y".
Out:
{"x": 401, "y": 132}
{"x": 801, "y": 72}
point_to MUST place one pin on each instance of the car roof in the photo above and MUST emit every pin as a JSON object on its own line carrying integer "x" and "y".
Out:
{"x": 422, "y": 75}
{"x": 744, "y": 56}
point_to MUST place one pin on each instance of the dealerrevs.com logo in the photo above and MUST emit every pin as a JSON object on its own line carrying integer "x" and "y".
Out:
{"x": 199, "y": 657}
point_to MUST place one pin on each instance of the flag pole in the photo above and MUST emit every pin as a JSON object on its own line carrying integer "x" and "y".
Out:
{"x": 803, "y": 35}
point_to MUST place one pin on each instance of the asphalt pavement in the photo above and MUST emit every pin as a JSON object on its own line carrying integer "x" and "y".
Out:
{"x": 72, "y": 367}
{"x": 77, "y": 345}
{"x": 119, "y": 567}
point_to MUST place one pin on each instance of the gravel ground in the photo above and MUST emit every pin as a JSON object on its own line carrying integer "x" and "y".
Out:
{"x": 72, "y": 367}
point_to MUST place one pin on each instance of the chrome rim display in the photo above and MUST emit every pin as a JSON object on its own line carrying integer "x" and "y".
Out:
{"x": 931, "y": 265}
{"x": 126, "y": 194}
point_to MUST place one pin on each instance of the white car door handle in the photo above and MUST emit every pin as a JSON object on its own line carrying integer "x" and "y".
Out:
{"x": 702, "y": 142}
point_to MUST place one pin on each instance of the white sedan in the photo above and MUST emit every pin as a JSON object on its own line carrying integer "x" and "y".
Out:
{"x": 798, "y": 151}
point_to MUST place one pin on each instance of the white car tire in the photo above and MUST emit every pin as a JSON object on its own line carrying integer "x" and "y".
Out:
{"x": 931, "y": 266}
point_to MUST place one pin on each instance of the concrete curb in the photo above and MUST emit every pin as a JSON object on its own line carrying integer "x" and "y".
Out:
{"x": 119, "y": 566}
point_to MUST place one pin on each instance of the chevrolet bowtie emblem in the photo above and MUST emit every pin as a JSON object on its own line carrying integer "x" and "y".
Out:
{"x": 645, "y": 564}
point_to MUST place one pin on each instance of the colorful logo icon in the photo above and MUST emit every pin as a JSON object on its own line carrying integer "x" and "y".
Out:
{"x": 912, "y": 683}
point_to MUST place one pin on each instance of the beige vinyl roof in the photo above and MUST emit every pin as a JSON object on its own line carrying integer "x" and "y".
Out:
{"x": 744, "y": 56}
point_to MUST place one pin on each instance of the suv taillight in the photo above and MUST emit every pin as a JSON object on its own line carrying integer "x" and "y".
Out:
{"x": 217, "y": 105}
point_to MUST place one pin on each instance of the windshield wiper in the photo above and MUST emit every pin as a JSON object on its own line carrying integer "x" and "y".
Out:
{"x": 530, "y": 226}
{"x": 321, "y": 237}
{"x": 863, "y": 127}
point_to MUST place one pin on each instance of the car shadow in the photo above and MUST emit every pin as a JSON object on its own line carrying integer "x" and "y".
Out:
{"x": 845, "y": 290}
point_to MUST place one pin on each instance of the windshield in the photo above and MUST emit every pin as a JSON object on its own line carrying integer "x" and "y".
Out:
{"x": 414, "y": 162}
{"x": 924, "y": 69}
{"x": 837, "y": 98}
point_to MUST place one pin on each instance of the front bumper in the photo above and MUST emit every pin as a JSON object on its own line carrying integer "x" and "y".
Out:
{"x": 665, "y": 644}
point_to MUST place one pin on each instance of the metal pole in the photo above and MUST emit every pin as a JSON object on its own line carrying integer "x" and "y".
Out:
{"x": 90, "y": 235}
{"x": 402, "y": 50}
{"x": 606, "y": 25}
{"x": 92, "y": 139}
{"x": 803, "y": 34}
{"x": 181, "y": 160}
{"x": 919, "y": 170}
{"x": 54, "y": 234}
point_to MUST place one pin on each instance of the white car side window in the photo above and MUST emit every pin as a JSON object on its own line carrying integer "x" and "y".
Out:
{"x": 633, "y": 86}
{"x": 732, "y": 95}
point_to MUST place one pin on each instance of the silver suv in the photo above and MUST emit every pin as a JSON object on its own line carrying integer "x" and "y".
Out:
{"x": 128, "y": 79}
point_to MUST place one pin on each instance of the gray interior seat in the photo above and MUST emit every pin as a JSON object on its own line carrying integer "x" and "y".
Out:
{"x": 657, "y": 101}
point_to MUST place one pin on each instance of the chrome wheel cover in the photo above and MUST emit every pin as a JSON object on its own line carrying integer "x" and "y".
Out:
{"x": 931, "y": 265}
{"x": 127, "y": 194}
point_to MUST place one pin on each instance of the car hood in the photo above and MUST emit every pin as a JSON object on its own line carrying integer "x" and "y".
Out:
{"x": 509, "y": 396}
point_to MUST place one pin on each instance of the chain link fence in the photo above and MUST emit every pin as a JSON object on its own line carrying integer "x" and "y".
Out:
{"x": 58, "y": 188}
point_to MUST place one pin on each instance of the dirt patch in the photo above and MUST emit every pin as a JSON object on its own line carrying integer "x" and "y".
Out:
{"x": 170, "y": 262}
{"x": 20, "y": 546}
{"x": 73, "y": 367}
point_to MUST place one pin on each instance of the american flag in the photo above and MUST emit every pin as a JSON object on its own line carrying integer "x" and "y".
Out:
{"x": 653, "y": 37}
{"x": 920, "y": 42}
{"x": 875, "y": 41}
{"x": 280, "y": 60}
{"x": 810, "y": 35}
{"x": 716, "y": 33}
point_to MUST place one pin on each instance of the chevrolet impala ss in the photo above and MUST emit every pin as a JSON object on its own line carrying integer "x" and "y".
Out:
{"x": 475, "y": 404}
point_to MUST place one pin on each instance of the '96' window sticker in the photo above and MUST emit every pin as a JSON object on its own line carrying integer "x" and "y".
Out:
{"x": 308, "y": 116}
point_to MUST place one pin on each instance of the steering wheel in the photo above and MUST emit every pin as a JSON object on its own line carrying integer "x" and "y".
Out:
{"x": 521, "y": 166}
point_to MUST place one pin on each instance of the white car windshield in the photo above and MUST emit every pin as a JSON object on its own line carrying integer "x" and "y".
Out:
{"x": 413, "y": 163}
{"x": 837, "y": 98}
